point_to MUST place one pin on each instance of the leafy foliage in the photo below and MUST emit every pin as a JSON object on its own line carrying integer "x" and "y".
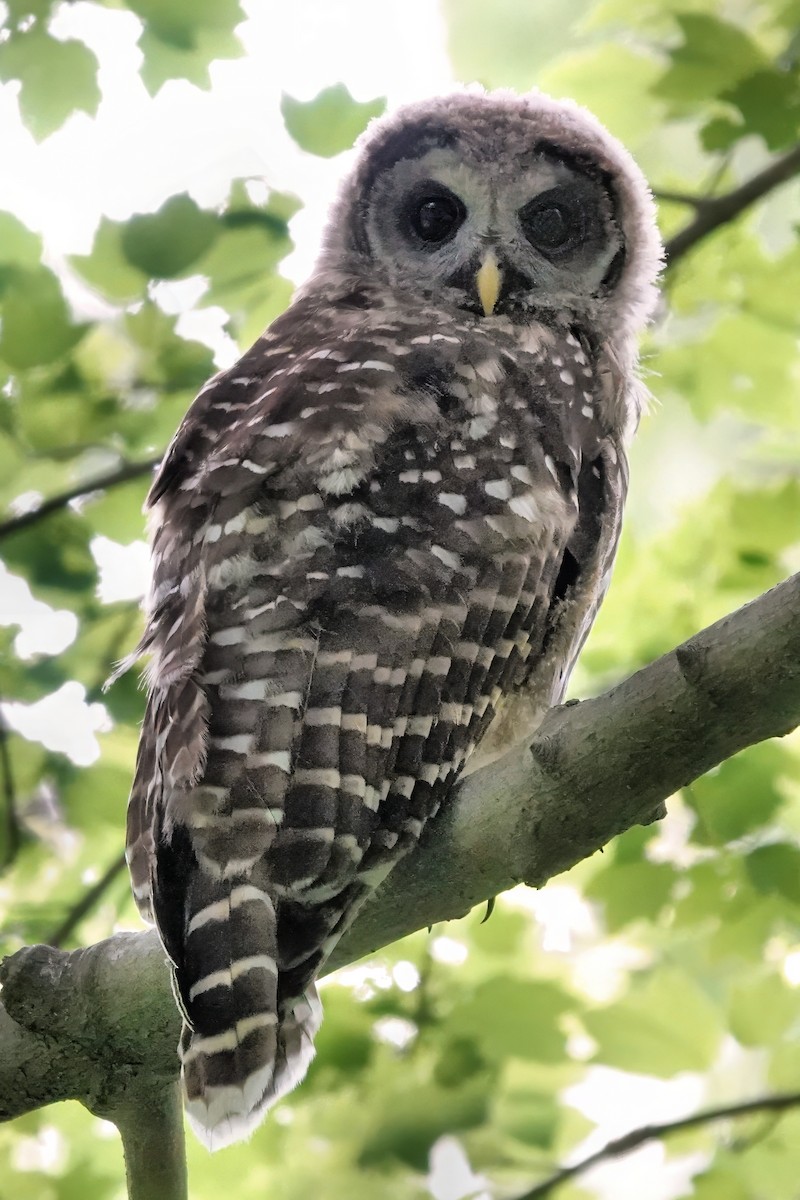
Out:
{"x": 678, "y": 951}
{"x": 330, "y": 122}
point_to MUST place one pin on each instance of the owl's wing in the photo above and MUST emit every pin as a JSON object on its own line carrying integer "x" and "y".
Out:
{"x": 354, "y": 564}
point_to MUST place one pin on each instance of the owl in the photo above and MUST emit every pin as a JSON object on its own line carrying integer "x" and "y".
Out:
{"x": 378, "y": 543}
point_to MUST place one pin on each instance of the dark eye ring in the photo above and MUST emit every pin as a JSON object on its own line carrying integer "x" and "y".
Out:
{"x": 435, "y": 216}
{"x": 554, "y": 222}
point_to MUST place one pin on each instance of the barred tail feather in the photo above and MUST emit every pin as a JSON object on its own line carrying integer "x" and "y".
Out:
{"x": 242, "y": 1047}
{"x": 227, "y": 1092}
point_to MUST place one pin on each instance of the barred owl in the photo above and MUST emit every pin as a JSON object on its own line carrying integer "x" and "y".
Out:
{"x": 379, "y": 541}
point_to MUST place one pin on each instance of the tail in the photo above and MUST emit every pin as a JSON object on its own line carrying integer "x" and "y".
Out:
{"x": 243, "y": 1045}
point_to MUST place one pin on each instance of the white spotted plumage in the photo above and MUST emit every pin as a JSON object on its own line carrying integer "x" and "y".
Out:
{"x": 379, "y": 541}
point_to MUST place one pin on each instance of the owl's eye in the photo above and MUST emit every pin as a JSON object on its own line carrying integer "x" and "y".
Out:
{"x": 554, "y": 222}
{"x": 435, "y": 217}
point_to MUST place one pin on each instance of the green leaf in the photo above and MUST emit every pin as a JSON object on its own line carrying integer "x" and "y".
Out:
{"x": 769, "y": 1168}
{"x": 738, "y": 796}
{"x": 106, "y": 268}
{"x": 407, "y": 1124}
{"x": 165, "y": 359}
{"x": 165, "y": 60}
{"x": 713, "y": 56}
{"x": 784, "y": 1067}
{"x": 330, "y": 122}
{"x": 507, "y": 44}
{"x": 664, "y": 1026}
{"x": 117, "y": 513}
{"x": 21, "y": 10}
{"x": 240, "y": 257}
{"x": 502, "y": 935}
{"x": 53, "y": 419}
{"x": 528, "y": 1114}
{"x": 344, "y": 1043}
{"x": 458, "y": 1061}
{"x": 614, "y": 82}
{"x": 241, "y": 265}
{"x": 514, "y": 1018}
{"x": 776, "y": 869}
{"x": 720, "y": 133}
{"x": 57, "y": 563}
{"x": 632, "y": 891}
{"x": 18, "y": 244}
{"x": 719, "y": 1185}
{"x": 56, "y": 78}
{"x": 165, "y": 243}
{"x": 762, "y": 1010}
{"x": 36, "y": 322}
{"x": 179, "y": 23}
{"x": 769, "y": 101}
{"x": 100, "y": 792}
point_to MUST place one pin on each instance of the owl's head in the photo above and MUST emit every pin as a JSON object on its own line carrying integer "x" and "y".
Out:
{"x": 501, "y": 205}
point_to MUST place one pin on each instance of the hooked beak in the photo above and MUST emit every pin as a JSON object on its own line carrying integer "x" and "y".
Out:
{"x": 488, "y": 280}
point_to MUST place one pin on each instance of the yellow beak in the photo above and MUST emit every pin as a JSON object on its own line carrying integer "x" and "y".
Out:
{"x": 488, "y": 280}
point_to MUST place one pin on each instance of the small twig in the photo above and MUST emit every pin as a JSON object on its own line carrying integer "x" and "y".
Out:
{"x": 10, "y": 818}
{"x": 687, "y": 198}
{"x": 120, "y": 475}
{"x": 423, "y": 1010}
{"x": 116, "y": 648}
{"x": 719, "y": 210}
{"x": 647, "y": 1133}
{"x": 88, "y": 900}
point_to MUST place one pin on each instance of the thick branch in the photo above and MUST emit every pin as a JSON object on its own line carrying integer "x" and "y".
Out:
{"x": 150, "y": 1122}
{"x": 647, "y": 1133}
{"x": 101, "y": 1016}
{"x": 719, "y": 210}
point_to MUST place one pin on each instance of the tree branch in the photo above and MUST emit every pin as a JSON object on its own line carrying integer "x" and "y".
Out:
{"x": 150, "y": 1122}
{"x": 119, "y": 475}
{"x": 597, "y": 768}
{"x": 648, "y": 1133}
{"x": 688, "y": 198}
{"x": 86, "y": 902}
{"x": 10, "y": 837}
{"x": 76, "y": 1024}
{"x": 716, "y": 211}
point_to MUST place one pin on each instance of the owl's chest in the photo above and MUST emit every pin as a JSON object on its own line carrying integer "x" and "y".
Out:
{"x": 496, "y": 468}
{"x": 465, "y": 456}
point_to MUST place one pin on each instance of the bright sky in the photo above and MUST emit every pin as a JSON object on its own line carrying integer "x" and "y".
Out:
{"x": 138, "y": 150}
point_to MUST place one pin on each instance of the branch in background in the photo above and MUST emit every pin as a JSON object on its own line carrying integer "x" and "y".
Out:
{"x": 9, "y": 816}
{"x": 75, "y": 1023}
{"x": 86, "y": 903}
{"x": 647, "y": 1133}
{"x": 688, "y": 198}
{"x": 719, "y": 210}
{"x": 119, "y": 475}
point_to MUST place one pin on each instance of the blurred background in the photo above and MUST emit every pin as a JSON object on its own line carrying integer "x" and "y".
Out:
{"x": 164, "y": 169}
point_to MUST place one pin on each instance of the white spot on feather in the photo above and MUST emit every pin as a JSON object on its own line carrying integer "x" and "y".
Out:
{"x": 454, "y": 501}
{"x": 499, "y": 488}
